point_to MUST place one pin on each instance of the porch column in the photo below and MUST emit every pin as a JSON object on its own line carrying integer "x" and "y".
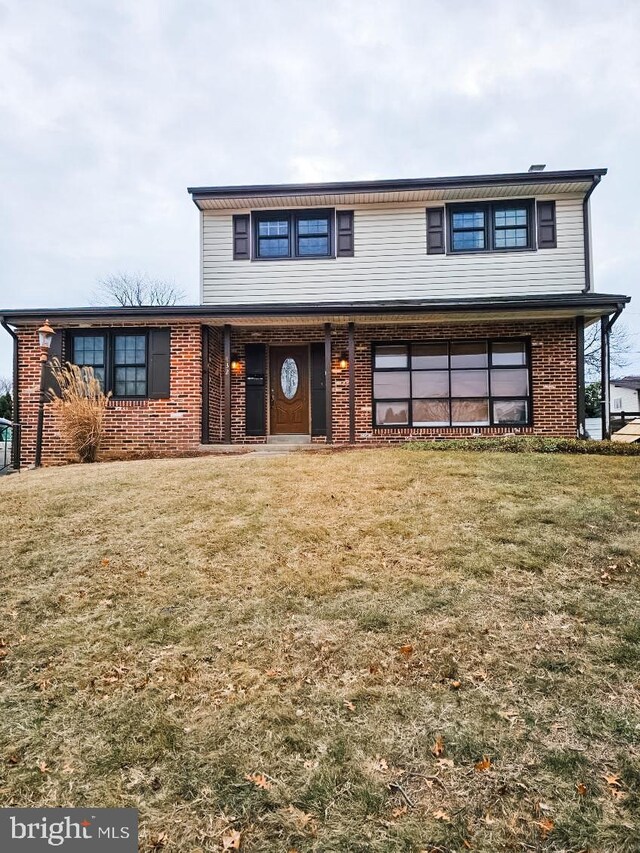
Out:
{"x": 581, "y": 412}
{"x": 352, "y": 383}
{"x": 204, "y": 438}
{"x": 328, "y": 381}
{"x": 604, "y": 376}
{"x": 226, "y": 384}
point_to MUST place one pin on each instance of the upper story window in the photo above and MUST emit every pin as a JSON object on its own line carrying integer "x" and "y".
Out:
{"x": 307, "y": 234}
{"x": 494, "y": 226}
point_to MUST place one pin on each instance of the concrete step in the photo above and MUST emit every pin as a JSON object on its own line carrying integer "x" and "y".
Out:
{"x": 289, "y": 439}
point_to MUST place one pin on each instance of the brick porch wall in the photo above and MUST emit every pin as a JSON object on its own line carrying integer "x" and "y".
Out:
{"x": 553, "y": 356}
{"x": 167, "y": 426}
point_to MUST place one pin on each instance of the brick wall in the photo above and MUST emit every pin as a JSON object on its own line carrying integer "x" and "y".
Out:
{"x": 171, "y": 425}
{"x": 174, "y": 425}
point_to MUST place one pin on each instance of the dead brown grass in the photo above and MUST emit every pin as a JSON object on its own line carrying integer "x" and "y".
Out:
{"x": 318, "y": 652}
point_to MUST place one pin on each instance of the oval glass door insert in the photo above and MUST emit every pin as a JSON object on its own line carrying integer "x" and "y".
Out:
{"x": 289, "y": 378}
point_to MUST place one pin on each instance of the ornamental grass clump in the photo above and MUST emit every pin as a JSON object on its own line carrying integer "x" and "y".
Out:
{"x": 80, "y": 403}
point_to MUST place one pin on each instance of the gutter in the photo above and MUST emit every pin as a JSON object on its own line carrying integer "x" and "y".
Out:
{"x": 586, "y": 230}
{"x": 15, "y": 447}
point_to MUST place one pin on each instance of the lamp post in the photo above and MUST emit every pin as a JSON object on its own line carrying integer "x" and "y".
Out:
{"x": 45, "y": 335}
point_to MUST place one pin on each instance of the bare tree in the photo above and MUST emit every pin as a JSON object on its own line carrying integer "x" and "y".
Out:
{"x": 137, "y": 289}
{"x": 621, "y": 342}
{"x": 6, "y": 385}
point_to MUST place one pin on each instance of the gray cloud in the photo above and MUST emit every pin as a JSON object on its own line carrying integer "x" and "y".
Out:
{"x": 108, "y": 110}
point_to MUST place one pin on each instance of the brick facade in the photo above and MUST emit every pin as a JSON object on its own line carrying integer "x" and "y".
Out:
{"x": 174, "y": 425}
{"x": 168, "y": 426}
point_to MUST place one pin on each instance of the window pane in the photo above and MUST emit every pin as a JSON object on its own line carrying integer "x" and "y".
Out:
{"x": 313, "y": 226}
{"x": 130, "y": 382}
{"x": 88, "y": 349}
{"x": 507, "y": 383}
{"x": 392, "y": 413}
{"x": 313, "y": 245}
{"x": 430, "y": 383}
{"x": 430, "y": 355}
{"x": 390, "y": 385}
{"x": 469, "y": 383}
{"x": 273, "y": 248}
{"x": 130, "y": 349}
{"x": 512, "y": 237}
{"x": 391, "y": 356}
{"x": 468, "y": 240}
{"x": 469, "y": 355}
{"x": 510, "y": 412}
{"x": 470, "y": 412}
{"x": 508, "y": 352}
{"x": 273, "y": 228}
{"x": 511, "y": 217}
{"x": 468, "y": 219}
{"x": 431, "y": 413}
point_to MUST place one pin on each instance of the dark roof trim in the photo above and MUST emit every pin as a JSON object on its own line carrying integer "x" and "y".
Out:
{"x": 606, "y": 301}
{"x": 573, "y": 175}
{"x": 631, "y": 382}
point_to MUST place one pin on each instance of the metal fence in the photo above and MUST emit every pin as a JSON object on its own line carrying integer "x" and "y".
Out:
{"x": 9, "y": 445}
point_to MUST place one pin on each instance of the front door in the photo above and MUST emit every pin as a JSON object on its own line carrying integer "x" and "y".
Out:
{"x": 289, "y": 369}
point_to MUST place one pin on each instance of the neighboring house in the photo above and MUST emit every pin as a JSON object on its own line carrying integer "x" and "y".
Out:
{"x": 366, "y": 312}
{"x": 625, "y": 394}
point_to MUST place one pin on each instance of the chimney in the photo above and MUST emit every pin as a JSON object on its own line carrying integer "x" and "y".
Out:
{"x": 537, "y": 167}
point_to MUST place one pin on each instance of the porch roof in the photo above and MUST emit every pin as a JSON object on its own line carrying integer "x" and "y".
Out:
{"x": 591, "y": 306}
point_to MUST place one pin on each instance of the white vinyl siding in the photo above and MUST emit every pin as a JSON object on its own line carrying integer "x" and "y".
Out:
{"x": 390, "y": 262}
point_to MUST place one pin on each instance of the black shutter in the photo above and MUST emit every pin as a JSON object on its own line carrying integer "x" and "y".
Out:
{"x": 344, "y": 234}
{"x": 547, "y": 238}
{"x": 318, "y": 397}
{"x": 241, "y": 237}
{"x": 55, "y": 351}
{"x": 159, "y": 363}
{"x": 435, "y": 231}
{"x": 254, "y": 389}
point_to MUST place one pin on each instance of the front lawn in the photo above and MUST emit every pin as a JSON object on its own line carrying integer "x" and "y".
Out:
{"x": 385, "y": 650}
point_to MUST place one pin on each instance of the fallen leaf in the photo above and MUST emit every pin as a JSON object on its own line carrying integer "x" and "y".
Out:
{"x": 407, "y": 650}
{"x": 381, "y": 764}
{"x": 259, "y": 780}
{"x": 546, "y": 825}
{"x": 612, "y": 779}
{"x": 310, "y": 763}
{"x": 466, "y": 843}
{"x": 43, "y": 768}
{"x": 13, "y": 759}
{"x": 618, "y": 795}
{"x": 455, "y": 684}
{"x": 67, "y": 768}
{"x": 485, "y": 764}
{"x": 375, "y": 668}
{"x": 399, "y": 812}
{"x": 581, "y": 788}
{"x": 445, "y": 762}
{"x": 438, "y": 747}
{"x": 303, "y": 819}
{"x": 271, "y": 673}
{"x": 349, "y": 705}
{"x": 440, "y": 814}
{"x": 105, "y": 561}
{"x": 231, "y": 840}
{"x": 159, "y": 840}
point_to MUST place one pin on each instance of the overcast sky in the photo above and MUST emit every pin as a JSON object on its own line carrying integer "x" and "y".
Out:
{"x": 109, "y": 110}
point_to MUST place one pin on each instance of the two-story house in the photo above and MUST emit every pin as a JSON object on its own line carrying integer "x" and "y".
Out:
{"x": 365, "y": 312}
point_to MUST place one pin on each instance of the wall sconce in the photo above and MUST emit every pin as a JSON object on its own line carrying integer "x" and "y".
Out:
{"x": 235, "y": 362}
{"x": 344, "y": 361}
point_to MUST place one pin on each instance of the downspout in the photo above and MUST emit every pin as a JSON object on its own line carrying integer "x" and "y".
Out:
{"x": 606, "y": 324}
{"x": 586, "y": 230}
{"x": 15, "y": 446}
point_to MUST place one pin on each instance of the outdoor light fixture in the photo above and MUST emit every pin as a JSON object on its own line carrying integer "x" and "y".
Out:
{"x": 344, "y": 361}
{"x": 45, "y": 336}
{"x": 235, "y": 362}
